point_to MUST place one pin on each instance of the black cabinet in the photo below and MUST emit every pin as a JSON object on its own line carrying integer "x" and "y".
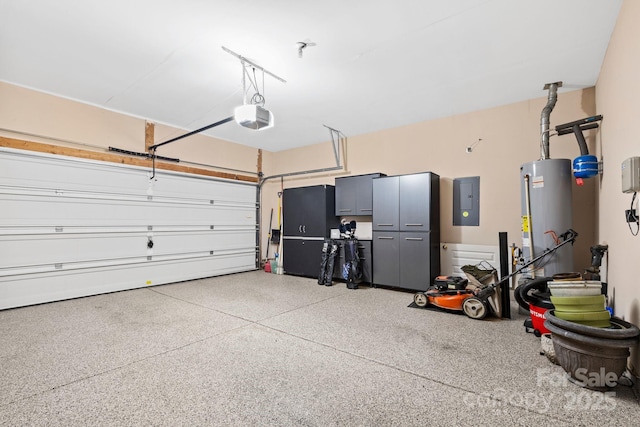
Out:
{"x": 406, "y": 230}
{"x": 309, "y": 211}
{"x": 302, "y": 257}
{"x": 354, "y": 195}
{"x": 307, "y": 219}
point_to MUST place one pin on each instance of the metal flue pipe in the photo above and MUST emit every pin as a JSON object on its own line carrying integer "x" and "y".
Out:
{"x": 545, "y": 118}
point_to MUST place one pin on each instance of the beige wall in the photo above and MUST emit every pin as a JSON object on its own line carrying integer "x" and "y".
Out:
{"x": 25, "y": 113}
{"x": 510, "y": 137}
{"x": 618, "y": 91}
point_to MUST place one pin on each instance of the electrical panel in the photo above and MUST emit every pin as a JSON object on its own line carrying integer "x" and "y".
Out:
{"x": 466, "y": 201}
{"x": 631, "y": 175}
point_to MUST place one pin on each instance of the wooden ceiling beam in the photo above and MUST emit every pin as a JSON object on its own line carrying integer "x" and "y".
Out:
{"x": 117, "y": 158}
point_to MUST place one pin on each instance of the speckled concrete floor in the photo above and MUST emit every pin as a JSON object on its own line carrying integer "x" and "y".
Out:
{"x": 265, "y": 349}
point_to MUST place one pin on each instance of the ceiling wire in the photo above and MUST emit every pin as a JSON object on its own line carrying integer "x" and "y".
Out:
{"x": 257, "y": 98}
{"x": 245, "y": 73}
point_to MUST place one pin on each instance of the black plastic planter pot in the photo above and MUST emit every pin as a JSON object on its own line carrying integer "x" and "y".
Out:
{"x": 619, "y": 329}
{"x": 592, "y": 361}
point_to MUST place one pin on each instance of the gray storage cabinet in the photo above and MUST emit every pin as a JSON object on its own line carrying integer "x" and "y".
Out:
{"x": 386, "y": 249}
{"x": 406, "y": 230}
{"x": 307, "y": 219}
{"x": 354, "y": 195}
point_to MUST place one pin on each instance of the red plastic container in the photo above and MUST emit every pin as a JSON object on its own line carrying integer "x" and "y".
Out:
{"x": 538, "y": 318}
{"x": 539, "y": 303}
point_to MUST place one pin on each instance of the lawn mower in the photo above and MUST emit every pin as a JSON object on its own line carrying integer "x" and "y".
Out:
{"x": 474, "y": 296}
{"x": 480, "y": 294}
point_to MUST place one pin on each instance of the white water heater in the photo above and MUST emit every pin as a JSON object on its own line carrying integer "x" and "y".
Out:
{"x": 546, "y": 214}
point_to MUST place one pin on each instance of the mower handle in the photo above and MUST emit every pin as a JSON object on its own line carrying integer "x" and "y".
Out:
{"x": 568, "y": 236}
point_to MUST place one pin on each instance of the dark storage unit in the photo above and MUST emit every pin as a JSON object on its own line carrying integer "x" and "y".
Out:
{"x": 354, "y": 195}
{"x": 406, "y": 230}
{"x": 307, "y": 219}
{"x": 302, "y": 257}
{"x": 366, "y": 256}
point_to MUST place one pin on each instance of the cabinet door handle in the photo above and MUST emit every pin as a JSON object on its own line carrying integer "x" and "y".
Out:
{"x": 385, "y": 225}
{"x": 300, "y": 229}
{"x": 366, "y": 209}
{"x": 413, "y": 225}
{"x": 304, "y": 228}
{"x": 413, "y": 238}
{"x": 385, "y": 238}
{"x": 345, "y": 210}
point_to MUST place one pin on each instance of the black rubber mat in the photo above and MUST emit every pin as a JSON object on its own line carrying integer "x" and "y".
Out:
{"x": 434, "y": 308}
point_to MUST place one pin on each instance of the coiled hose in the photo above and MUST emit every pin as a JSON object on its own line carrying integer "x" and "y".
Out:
{"x": 521, "y": 293}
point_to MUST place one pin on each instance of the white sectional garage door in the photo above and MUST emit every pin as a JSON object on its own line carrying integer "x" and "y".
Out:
{"x": 73, "y": 227}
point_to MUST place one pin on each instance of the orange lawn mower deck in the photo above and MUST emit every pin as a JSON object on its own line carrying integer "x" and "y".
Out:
{"x": 457, "y": 300}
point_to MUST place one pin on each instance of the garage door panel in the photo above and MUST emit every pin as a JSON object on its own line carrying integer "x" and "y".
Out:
{"x": 66, "y": 171}
{"x": 35, "y": 288}
{"x": 73, "y": 227}
{"x": 26, "y": 250}
{"x": 61, "y": 210}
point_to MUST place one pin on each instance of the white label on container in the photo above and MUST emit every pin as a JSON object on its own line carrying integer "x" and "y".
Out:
{"x": 538, "y": 181}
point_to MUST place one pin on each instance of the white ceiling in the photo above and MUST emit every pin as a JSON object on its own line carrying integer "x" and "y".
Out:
{"x": 376, "y": 64}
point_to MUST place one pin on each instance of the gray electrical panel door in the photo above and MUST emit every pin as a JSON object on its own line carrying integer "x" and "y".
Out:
{"x": 466, "y": 201}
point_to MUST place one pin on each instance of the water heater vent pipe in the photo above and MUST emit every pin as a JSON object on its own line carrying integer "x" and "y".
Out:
{"x": 545, "y": 118}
